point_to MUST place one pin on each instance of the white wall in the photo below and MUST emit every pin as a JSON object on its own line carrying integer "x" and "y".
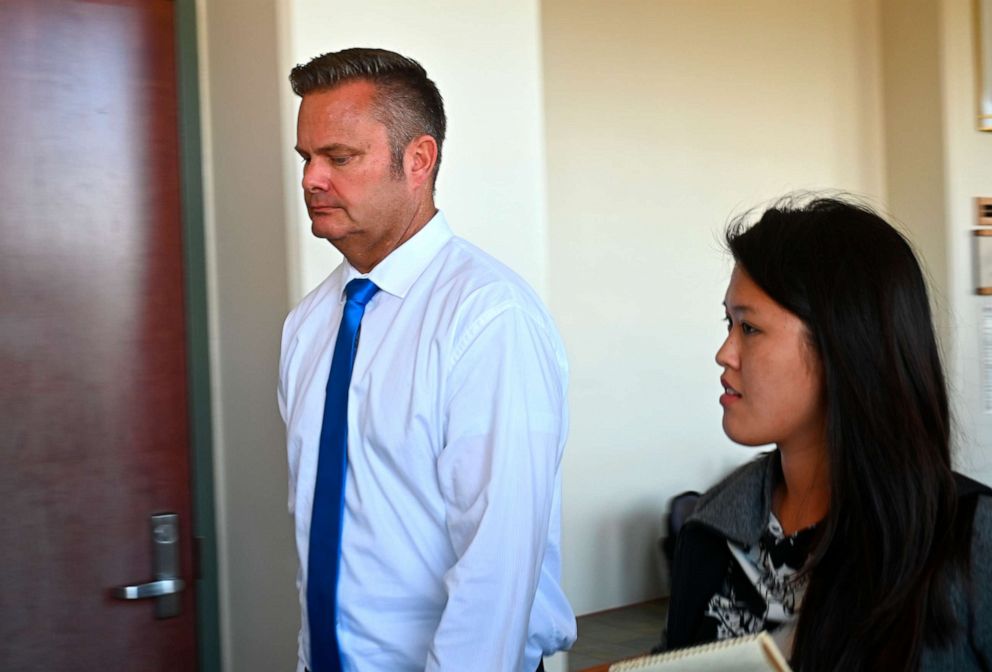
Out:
{"x": 485, "y": 58}
{"x": 247, "y": 275}
{"x": 914, "y": 138}
{"x": 968, "y": 170}
{"x": 937, "y": 164}
{"x": 663, "y": 119}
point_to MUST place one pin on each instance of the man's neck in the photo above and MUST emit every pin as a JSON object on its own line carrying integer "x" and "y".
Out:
{"x": 365, "y": 255}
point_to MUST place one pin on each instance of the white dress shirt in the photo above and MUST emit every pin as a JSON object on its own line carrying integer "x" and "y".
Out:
{"x": 456, "y": 424}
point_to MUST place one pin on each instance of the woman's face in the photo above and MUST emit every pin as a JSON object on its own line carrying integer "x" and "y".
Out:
{"x": 773, "y": 387}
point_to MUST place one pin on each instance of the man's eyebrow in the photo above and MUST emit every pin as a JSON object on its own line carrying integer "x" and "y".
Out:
{"x": 331, "y": 149}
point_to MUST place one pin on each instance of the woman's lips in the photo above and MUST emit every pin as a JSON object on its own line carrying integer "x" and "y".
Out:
{"x": 730, "y": 395}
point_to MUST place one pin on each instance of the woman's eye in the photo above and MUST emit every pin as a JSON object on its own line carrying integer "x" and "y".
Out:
{"x": 746, "y": 328}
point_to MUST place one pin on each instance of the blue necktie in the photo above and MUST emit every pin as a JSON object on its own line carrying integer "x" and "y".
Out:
{"x": 327, "y": 518}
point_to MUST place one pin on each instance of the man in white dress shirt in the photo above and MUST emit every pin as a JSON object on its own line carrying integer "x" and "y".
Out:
{"x": 456, "y": 410}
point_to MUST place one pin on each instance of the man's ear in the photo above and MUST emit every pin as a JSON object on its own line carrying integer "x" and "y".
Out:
{"x": 419, "y": 160}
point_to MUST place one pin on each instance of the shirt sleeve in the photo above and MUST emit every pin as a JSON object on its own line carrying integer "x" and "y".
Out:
{"x": 504, "y": 420}
{"x": 282, "y": 399}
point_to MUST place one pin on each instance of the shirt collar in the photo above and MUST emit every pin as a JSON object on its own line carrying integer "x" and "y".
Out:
{"x": 400, "y": 269}
{"x": 738, "y": 507}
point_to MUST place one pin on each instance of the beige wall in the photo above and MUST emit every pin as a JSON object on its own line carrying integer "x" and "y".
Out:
{"x": 598, "y": 148}
{"x": 485, "y": 58}
{"x": 937, "y": 163}
{"x": 914, "y": 137}
{"x": 243, "y": 169}
{"x": 664, "y": 118}
{"x": 968, "y": 173}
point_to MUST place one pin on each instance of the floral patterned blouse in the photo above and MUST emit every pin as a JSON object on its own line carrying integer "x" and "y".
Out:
{"x": 763, "y": 588}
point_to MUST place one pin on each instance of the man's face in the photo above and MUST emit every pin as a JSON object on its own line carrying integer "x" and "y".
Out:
{"x": 347, "y": 184}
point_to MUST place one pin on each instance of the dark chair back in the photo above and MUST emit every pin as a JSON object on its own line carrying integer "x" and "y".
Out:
{"x": 679, "y": 509}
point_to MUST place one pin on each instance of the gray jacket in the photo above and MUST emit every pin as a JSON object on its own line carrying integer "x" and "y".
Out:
{"x": 737, "y": 509}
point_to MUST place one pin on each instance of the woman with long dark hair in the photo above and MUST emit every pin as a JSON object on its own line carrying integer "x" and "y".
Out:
{"x": 853, "y": 542}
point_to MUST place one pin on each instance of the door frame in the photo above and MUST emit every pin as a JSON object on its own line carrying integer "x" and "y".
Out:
{"x": 208, "y": 642}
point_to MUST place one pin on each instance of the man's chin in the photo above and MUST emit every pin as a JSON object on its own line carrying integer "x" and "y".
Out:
{"x": 328, "y": 228}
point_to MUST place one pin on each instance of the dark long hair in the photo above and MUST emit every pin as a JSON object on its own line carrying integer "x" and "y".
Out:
{"x": 878, "y": 573}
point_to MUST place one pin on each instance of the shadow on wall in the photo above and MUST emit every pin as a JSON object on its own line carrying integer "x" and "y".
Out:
{"x": 638, "y": 539}
{"x": 630, "y": 544}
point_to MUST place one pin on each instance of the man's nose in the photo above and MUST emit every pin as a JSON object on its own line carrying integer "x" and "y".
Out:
{"x": 314, "y": 179}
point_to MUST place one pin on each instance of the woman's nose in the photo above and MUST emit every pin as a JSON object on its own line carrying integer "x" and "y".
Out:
{"x": 726, "y": 356}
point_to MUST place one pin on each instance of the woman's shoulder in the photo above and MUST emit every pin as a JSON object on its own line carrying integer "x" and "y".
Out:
{"x": 742, "y": 481}
{"x": 980, "y": 570}
{"x": 981, "y": 531}
{"x": 975, "y": 515}
{"x": 968, "y": 486}
{"x": 737, "y": 507}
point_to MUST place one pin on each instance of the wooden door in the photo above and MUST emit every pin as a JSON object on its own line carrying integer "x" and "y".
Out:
{"x": 94, "y": 434}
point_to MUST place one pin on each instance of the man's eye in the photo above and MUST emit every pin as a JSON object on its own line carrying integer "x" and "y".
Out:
{"x": 340, "y": 160}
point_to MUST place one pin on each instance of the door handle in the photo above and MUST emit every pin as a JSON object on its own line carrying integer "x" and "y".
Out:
{"x": 152, "y": 589}
{"x": 165, "y": 567}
